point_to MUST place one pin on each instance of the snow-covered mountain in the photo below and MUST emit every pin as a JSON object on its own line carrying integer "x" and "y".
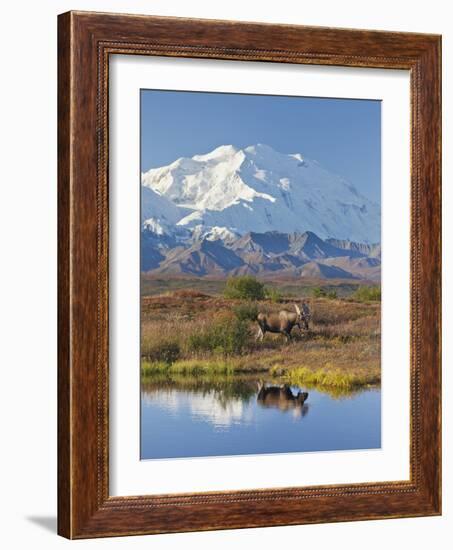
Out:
{"x": 256, "y": 211}
{"x": 230, "y": 192}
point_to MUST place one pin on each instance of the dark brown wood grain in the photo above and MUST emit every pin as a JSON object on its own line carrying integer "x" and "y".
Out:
{"x": 86, "y": 40}
{"x": 64, "y": 425}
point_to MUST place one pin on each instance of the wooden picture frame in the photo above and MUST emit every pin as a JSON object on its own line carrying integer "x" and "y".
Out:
{"x": 85, "y": 42}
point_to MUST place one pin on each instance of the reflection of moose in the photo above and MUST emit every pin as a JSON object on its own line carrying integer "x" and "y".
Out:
{"x": 283, "y": 322}
{"x": 281, "y": 397}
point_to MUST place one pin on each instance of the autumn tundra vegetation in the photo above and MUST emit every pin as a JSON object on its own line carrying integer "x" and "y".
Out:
{"x": 209, "y": 327}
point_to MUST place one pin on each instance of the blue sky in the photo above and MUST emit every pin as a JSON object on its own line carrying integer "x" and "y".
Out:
{"x": 343, "y": 135}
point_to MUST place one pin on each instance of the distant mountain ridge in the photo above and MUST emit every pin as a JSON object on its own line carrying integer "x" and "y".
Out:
{"x": 261, "y": 254}
{"x": 373, "y": 250}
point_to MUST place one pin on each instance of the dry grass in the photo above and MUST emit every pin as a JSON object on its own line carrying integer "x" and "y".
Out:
{"x": 341, "y": 349}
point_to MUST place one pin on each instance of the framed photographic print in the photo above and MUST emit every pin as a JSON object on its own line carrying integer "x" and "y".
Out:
{"x": 249, "y": 275}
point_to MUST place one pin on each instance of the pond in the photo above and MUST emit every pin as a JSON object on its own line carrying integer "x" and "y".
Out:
{"x": 188, "y": 416}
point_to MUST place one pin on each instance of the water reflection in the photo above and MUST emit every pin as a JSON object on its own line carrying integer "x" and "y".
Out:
{"x": 184, "y": 416}
{"x": 210, "y": 406}
{"x": 282, "y": 398}
{"x": 222, "y": 401}
{"x": 219, "y": 400}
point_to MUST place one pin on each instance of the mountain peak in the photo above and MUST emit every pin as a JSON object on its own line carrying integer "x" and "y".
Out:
{"x": 221, "y": 152}
{"x": 297, "y": 156}
{"x": 311, "y": 235}
{"x": 259, "y": 189}
{"x": 259, "y": 148}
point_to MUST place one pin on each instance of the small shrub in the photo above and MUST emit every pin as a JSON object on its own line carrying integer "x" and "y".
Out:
{"x": 246, "y": 311}
{"x": 244, "y": 287}
{"x": 225, "y": 336}
{"x": 164, "y": 352}
{"x": 318, "y": 292}
{"x": 273, "y": 294}
{"x": 367, "y": 294}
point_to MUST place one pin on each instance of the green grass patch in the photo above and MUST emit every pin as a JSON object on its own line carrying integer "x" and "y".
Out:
{"x": 211, "y": 366}
{"x": 149, "y": 368}
{"x": 332, "y": 378}
{"x": 207, "y": 366}
{"x": 367, "y": 294}
{"x": 203, "y": 366}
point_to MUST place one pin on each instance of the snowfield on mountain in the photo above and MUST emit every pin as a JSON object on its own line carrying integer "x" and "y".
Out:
{"x": 233, "y": 191}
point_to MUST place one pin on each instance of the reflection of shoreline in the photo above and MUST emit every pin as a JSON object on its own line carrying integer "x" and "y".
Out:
{"x": 223, "y": 403}
{"x": 242, "y": 386}
{"x": 207, "y": 406}
{"x": 224, "y": 400}
{"x": 220, "y": 400}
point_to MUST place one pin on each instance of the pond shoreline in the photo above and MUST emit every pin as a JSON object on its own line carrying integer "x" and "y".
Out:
{"x": 336, "y": 384}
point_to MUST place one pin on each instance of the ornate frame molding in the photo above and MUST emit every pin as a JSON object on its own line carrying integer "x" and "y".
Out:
{"x": 86, "y": 40}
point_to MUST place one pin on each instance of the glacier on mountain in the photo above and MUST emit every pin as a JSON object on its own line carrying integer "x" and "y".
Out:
{"x": 231, "y": 191}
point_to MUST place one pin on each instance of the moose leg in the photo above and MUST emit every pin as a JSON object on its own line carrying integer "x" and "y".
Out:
{"x": 259, "y": 335}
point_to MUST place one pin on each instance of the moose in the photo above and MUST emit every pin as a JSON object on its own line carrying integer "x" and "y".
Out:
{"x": 283, "y": 322}
{"x": 281, "y": 397}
